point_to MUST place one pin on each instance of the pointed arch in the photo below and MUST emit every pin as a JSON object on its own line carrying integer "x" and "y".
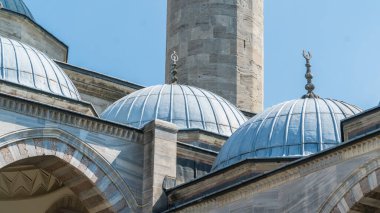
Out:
{"x": 96, "y": 183}
{"x": 356, "y": 190}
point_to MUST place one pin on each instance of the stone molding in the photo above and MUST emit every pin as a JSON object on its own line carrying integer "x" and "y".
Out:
{"x": 368, "y": 175}
{"x": 69, "y": 118}
{"x": 101, "y": 180}
{"x": 284, "y": 174}
{"x": 39, "y": 96}
{"x": 24, "y": 183}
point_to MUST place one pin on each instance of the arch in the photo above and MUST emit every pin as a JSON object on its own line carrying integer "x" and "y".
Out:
{"x": 96, "y": 183}
{"x": 356, "y": 190}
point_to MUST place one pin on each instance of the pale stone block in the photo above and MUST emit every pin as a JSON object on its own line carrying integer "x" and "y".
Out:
{"x": 31, "y": 148}
{"x": 77, "y": 157}
{"x": 372, "y": 179}
{"x": 2, "y": 161}
{"x": 61, "y": 149}
{"x": 103, "y": 184}
{"x": 343, "y": 207}
{"x": 357, "y": 191}
{"x": 13, "y": 148}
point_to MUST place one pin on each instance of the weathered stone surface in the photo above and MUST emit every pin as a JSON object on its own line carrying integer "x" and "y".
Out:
{"x": 160, "y": 161}
{"x": 98, "y": 89}
{"x": 220, "y": 48}
{"x": 333, "y": 180}
{"x": 21, "y": 28}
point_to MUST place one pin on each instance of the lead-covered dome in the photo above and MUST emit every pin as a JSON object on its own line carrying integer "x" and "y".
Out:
{"x": 17, "y": 6}
{"x": 187, "y": 107}
{"x": 294, "y": 128}
{"x": 26, "y": 66}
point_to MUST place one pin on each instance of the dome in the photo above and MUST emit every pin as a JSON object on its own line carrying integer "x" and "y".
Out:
{"x": 187, "y": 107}
{"x": 294, "y": 128}
{"x": 17, "y": 6}
{"x": 26, "y": 66}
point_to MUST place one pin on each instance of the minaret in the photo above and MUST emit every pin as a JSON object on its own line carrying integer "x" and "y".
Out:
{"x": 220, "y": 48}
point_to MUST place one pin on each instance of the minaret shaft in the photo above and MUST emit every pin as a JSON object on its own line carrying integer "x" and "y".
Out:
{"x": 220, "y": 48}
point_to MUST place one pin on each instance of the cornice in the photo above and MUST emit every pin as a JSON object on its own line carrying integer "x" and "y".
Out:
{"x": 70, "y": 118}
{"x": 284, "y": 174}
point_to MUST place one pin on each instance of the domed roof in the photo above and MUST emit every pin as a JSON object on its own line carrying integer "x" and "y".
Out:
{"x": 17, "y": 6}
{"x": 294, "y": 128}
{"x": 187, "y": 107}
{"x": 24, "y": 65}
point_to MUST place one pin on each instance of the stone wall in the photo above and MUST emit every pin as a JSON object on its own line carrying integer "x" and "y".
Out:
{"x": 314, "y": 184}
{"x": 23, "y": 29}
{"x": 220, "y": 48}
{"x": 98, "y": 89}
{"x": 120, "y": 148}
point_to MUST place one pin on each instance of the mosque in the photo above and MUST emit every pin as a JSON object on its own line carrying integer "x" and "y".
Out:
{"x": 75, "y": 140}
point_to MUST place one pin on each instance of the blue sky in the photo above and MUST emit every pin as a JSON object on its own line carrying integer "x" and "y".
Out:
{"x": 126, "y": 39}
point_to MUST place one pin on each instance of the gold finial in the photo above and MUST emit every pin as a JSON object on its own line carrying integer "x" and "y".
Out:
{"x": 309, "y": 86}
{"x": 173, "y": 70}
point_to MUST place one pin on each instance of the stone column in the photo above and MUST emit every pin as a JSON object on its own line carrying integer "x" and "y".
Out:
{"x": 220, "y": 48}
{"x": 160, "y": 161}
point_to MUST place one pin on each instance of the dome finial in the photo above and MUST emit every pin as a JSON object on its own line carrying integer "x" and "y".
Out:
{"x": 173, "y": 69}
{"x": 309, "y": 86}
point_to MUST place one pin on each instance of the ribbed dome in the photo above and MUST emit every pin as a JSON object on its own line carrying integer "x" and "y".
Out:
{"x": 294, "y": 128}
{"x": 17, "y": 6}
{"x": 187, "y": 107}
{"x": 24, "y": 65}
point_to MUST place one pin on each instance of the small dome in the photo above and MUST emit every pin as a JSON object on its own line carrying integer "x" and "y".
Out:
{"x": 24, "y": 65}
{"x": 187, "y": 107}
{"x": 294, "y": 128}
{"x": 17, "y": 6}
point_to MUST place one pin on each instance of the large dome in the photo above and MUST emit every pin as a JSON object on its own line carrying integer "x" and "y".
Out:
{"x": 294, "y": 128}
{"x": 187, "y": 107}
{"x": 24, "y": 65}
{"x": 17, "y": 6}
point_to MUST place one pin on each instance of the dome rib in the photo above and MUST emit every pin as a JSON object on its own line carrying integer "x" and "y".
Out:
{"x": 187, "y": 107}
{"x": 199, "y": 107}
{"x": 213, "y": 111}
{"x": 332, "y": 114}
{"x": 224, "y": 110}
{"x": 320, "y": 138}
{"x": 23, "y": 65}
{"x": 290, "y": 129}
{"x": 55, "y": 74}
{"x": 303, "y": 126}
{"x": 159, "y": 100}
{"x": 287, "y": 127}
{"x": 143, "y": 108}
{"x": 274, "y": 123}
{"x": 171, "y": 104}
{"x": 30, "y": 62}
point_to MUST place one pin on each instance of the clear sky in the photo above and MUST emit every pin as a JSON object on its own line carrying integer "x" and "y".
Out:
{"x": 126, "y": 39}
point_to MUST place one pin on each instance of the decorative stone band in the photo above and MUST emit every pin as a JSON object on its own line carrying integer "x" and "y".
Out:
{"x": 354, "y": 188}
{"x": 285, "y": 174}
{"x": 77, "y": 165}
{"x": 70, "y": 118}
{"x": 30, "y": 182}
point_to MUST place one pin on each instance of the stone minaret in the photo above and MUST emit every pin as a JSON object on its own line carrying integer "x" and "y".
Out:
{"x": 220, "y": 48}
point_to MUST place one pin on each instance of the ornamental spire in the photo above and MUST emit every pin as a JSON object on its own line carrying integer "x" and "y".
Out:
{"x": 173, "y": 69}
{"x": 309, "y": 86}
